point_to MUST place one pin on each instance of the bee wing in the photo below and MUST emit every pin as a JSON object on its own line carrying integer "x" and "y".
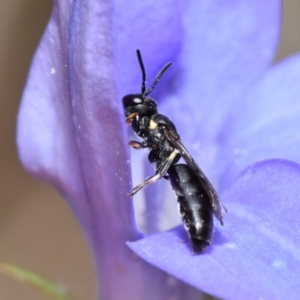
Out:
{"x": 218, "y": 208}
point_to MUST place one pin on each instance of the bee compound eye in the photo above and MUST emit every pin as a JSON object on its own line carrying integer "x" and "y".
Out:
{"x": 132, "y": 100}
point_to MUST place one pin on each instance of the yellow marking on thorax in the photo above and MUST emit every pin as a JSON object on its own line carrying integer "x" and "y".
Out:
{"x": 152, "y": 124}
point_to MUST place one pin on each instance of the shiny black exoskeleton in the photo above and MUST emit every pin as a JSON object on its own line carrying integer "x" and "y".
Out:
{"x": 197, "y": 198}
{"x": 195, "y": 205}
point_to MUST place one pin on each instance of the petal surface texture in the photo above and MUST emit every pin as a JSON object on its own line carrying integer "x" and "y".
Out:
{"x": 256, "y": 254}
{"x": 265, "y": 124}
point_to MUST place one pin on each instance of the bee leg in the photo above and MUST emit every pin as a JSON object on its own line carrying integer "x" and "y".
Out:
{"x": 147, "y": 181}
{"x": 138, "y": 145}
{"x": 130, "y": 118}
{"x": 160, "y": 172}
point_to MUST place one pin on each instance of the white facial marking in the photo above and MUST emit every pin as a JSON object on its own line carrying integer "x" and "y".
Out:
{"x": 137, "y": 100}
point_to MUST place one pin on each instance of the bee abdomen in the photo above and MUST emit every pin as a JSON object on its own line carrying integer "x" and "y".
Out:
{"x": 194, "y": 204}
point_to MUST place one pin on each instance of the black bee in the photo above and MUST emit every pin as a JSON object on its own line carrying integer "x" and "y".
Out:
{"x": 197, "y": 198}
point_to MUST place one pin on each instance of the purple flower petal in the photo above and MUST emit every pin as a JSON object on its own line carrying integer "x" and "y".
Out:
{"x": 154, "y": 27}
{"x": 71, "y": 133}
{"x": 265, "y": 124}
{"x": 256, "y": 254}
{"x": 228, "y": 46}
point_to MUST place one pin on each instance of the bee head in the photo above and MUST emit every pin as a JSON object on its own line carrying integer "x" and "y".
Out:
{"x": 141, "y": 104}
{"x": 137, "y": 103}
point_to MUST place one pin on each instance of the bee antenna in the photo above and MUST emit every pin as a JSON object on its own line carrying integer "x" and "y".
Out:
{"x": 157, "y": 78}
{"x": 143, "y": 71}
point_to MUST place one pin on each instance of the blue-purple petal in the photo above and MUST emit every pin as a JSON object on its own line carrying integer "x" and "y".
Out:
{"x": 154, "y": 27}
{"x": 228, "y": 46}
{"x": 45, "y": 135}
{"x": 71, "y": 133}
{"x": 265, "y": 124}
{"x": 256, "y": 254}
